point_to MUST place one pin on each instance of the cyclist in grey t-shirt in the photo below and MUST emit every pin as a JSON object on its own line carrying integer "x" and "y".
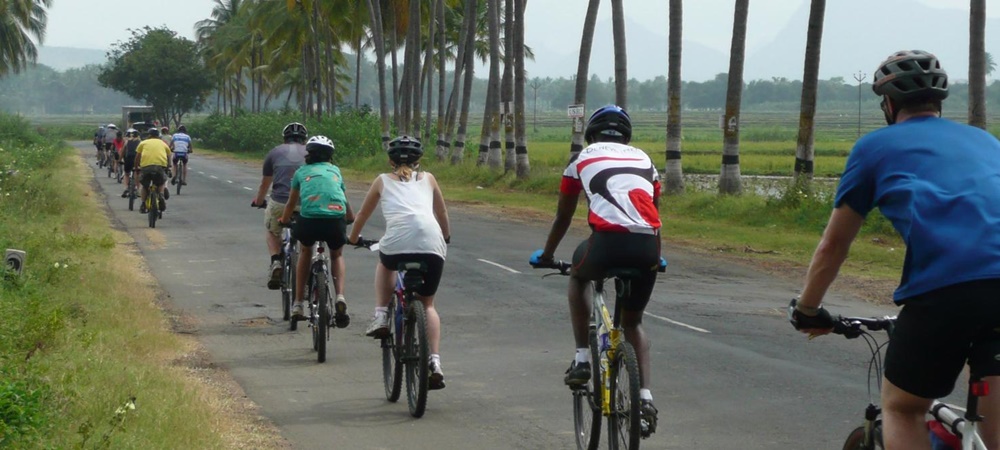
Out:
{"x": 279, "y": 167}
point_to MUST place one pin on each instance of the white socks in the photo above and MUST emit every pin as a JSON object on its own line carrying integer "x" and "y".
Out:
{"x": 644, "y": 394}
{"x": 583, "y": 355}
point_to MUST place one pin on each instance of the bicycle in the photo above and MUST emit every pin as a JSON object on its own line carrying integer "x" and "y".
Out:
{"x": 154, "y": 213}
{"x": 289, "y": 257}
{"x": 111, "y": 163}
{"x": 951, "y": 426}
{"x": 614, "y": 389}
{"x": 132, "y": 187}
{"x": 120, "y": 171}
{"x": 405, "y": 346}
{"x": 180, "y": 179}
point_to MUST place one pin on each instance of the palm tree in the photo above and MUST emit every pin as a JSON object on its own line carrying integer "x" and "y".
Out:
{"x": 458, "y": 152}
{"x": 674, "y": 174}
{"x": 491, "y": 117}
{"x": 507, "y": 86}
{"x": 523, "y": 168}
{"x": 375, "y": 11}
{"x": 977, "y": 63}
{"x": 621, "y": 57}
{"x": 810, "y": 80}
{"x": 580, "y": 94}
{"x": 20, "y": 21}
{"x": 730, "y": 181}
{"x": 442, "y": 107}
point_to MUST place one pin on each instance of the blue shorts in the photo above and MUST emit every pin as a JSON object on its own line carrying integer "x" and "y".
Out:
{"x": 180, "y": 156}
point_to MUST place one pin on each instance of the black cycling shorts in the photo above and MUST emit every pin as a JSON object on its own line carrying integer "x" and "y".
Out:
{"x": 157, "y": 175}
{"x": 129, "y": 161}
{"x": 308, "y": 231}
{"x": 434, "y": 264}
{"x": 939, "y": 331}
{"x": 603, "y": 251}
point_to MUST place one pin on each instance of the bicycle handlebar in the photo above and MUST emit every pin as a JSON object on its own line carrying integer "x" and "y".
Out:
{"x": 364, "y": 243}
{"x": 562, "y": 266}
{"x": 851, "y": 327}
{"x": 253, "y": 204}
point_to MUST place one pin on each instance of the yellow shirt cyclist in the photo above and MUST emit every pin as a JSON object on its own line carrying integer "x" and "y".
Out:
{"x": 153, "y": 152}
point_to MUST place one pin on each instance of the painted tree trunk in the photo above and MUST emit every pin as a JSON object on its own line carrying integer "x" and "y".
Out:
{"x": 977, "y": 63}
{"x": 458, "y": 152}
{"x": 494, "y": 158}
{"x": 507, "y": 86}
{"x": 674, "y": 173}
{"x": 582, "y": 67}
{"x": 621, "y": 53}
{"x": 804, "y": 152}
{"x": 730, "y": 181}
{"x": 520, "y": 132}
{"x": 376, "y": 23}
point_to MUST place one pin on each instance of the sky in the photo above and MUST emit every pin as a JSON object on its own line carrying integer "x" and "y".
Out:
{"x": 552, "y": 26}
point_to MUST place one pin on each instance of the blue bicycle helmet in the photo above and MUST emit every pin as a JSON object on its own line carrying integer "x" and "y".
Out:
{"x": 611, "y": 121}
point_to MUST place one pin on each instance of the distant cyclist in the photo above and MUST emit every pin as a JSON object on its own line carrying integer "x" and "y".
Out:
{"x": 323, "y": 217}
{"x": 416, "y": 230}
{"x": 99, "y": 139}
{"x": 165, "y": 135}
{"x": 129, "y": 153}
{"x": 182, "y": 146}
{"x": 622, "y": 188}
{"x": 938, "y": 183}
{"x": 153, "y": 155}
{"x": 280, "y": 165}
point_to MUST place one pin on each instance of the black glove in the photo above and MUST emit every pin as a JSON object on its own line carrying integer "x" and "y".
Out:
{"x": 802, "y": 321}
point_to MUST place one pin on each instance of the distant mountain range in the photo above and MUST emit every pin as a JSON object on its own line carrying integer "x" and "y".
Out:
{"x": 857, "y": 35}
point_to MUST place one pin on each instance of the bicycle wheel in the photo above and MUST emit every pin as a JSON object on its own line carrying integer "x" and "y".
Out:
{"x": 131, "y": 193}
{"x": 320, "y": 320}
{"x": 392, "y": 370}
{"x": 153, "y": 198}
{"x": 287, "y": 285}
{"x": 856, "y": 440}
{"x": 416, "y": 353}
{"x": 623, "y": 424}
{"x": 587, "y": 403}
{"x": 180, "y": 176}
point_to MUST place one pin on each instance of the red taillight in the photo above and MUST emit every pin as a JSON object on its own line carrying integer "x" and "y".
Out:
{"x": 979, "y": 388}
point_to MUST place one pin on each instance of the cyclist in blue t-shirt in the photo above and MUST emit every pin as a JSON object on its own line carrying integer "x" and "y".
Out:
{"x": 181, "y": 145}
{"x": 938, "y": 182}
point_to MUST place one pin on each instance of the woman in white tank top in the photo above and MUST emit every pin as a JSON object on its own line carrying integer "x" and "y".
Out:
{"x": 417, "y": 230}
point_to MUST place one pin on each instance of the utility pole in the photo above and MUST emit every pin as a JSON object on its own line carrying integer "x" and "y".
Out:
{"x": 860, "y": 76}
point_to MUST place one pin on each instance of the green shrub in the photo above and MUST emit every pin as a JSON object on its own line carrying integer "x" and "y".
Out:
{"x": 355, "y": 133}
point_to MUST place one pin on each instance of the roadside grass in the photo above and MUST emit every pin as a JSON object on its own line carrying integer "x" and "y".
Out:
{"x": 87, "y": 358}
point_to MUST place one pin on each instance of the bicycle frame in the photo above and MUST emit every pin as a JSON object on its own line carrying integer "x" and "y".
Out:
{"x": 601, "y": 316}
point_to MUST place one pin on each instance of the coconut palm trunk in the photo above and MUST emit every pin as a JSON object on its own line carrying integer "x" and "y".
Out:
{"x": 520, "y": 132}
{"x": 375, "y": 11}
{"x": 804, "y": 153}
{"x": 730, "y": 181}
{"x": 977, "y": 63}
{"x": 621, "y": 56}
{"x": 458, "y": 152}
{"x": 674, "y": 173}
{"x": 582, "y": 67}
{"x": 442, "y": 143}
{"x": 494, "y": 157}
{"x": 507, "y": 86}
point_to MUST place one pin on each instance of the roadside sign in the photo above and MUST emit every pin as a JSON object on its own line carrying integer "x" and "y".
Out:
{"x": 574, "y": 111}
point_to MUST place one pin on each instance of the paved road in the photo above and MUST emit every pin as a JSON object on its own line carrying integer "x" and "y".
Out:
{"x": 729, "y": 371}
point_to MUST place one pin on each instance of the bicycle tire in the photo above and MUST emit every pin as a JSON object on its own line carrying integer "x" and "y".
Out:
{"x": 392, "y": 370}
{"x": 153, "y": 198}
{"x": 587, "y": 403}
{"x": 321, "y": 327}
{"x": 624, "y": 428}
{"x": 180, "y": 176}
{"x": 131, "y": 193}
{"x": 417, "y": 364}
{"x": 856, "y": 440}
{"x": 287, "y": 286}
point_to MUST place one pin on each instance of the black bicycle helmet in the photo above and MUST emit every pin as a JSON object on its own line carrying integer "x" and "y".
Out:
{"x": 153, "y": 132}
{"x": 405, "y": 150}
{"x": 319, "y": 148}
{"x": 182, "y": 129}
{"x": 911, "y": 74}
{"x": 294, "y": 130}
{"x": 610, "y": 120}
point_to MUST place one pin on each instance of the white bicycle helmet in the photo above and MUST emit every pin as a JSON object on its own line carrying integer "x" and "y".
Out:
{"x": 112, "y": 126}
{"x": 320, "y": 148}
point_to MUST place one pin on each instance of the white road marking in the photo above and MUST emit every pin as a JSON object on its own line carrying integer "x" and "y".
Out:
{"x": 201, "y": 172}
{"x": 201, "y": 260}
{"x": 213, "y": 176}
{"x": 499, "y": 265}
{"x": 682, "y": 324}
{"x": 249, "y": 189}
{"x": 229, "y": 181}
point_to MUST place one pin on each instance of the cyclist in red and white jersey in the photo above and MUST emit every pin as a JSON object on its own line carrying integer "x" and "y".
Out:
{"x": 623, "y": 189}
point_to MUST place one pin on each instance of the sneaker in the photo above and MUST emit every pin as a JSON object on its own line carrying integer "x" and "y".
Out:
{"x": 125, "y": 193}
{"x": 274, "y": 282}
{"x": 578, "y": 374}
{"x": 297, "y": 311}
{"x": 142, "y": 208}
{"x": 340, "y": 317}
{"x": 436, "y": 380}
{"x": 379, "y": 327}
{"x": 184, "y": 183}
{"x": 647, "y": 415}
{"x": 173, "y": 181}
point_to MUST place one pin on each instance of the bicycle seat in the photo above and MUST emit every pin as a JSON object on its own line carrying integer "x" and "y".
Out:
{"x": 413, "y": 277}
{"x": 623, "y": 273}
